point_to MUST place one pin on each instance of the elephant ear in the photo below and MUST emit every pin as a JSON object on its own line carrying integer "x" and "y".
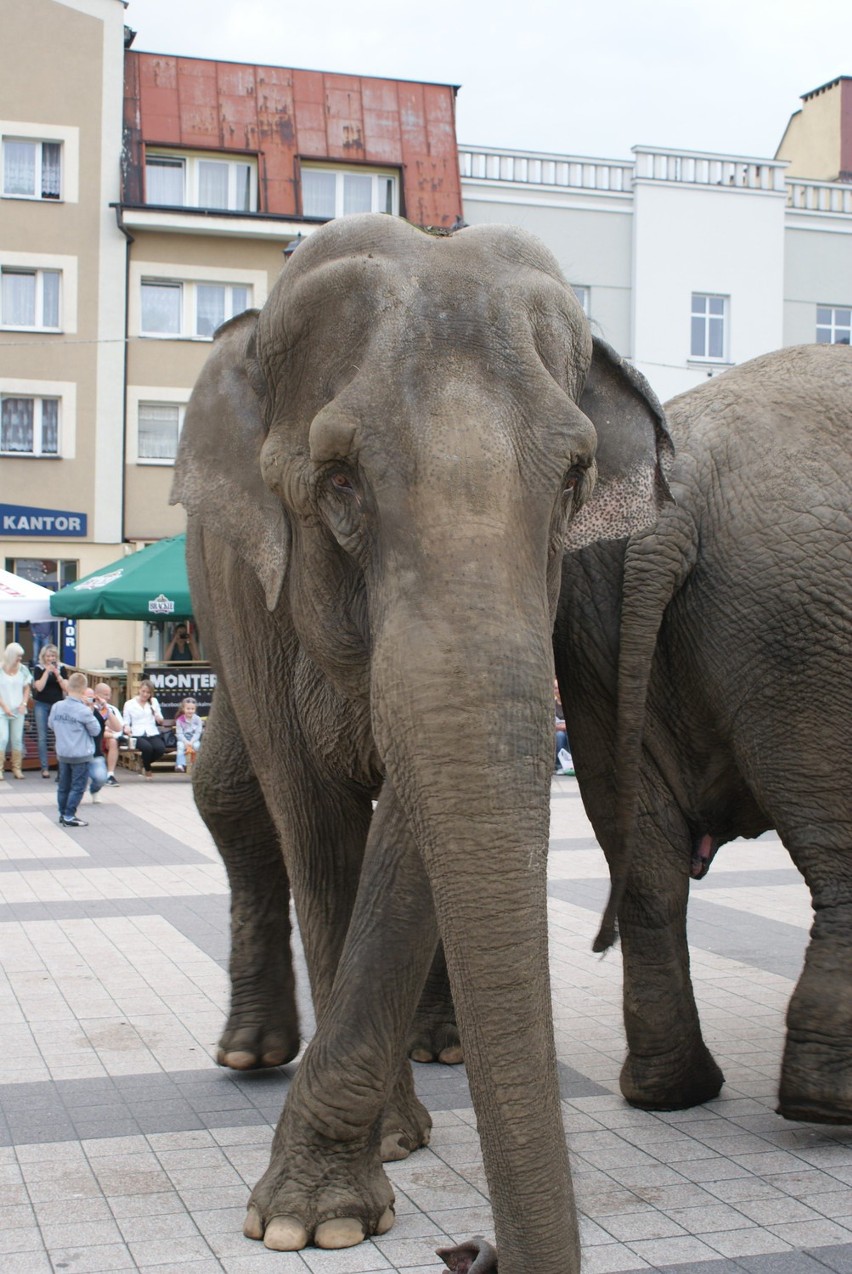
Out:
{"x": 217, "y": 473}
{"x": 633, "y": 452}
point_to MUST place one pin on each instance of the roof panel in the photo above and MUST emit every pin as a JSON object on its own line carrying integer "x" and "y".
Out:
{"x": 282, "y": 113}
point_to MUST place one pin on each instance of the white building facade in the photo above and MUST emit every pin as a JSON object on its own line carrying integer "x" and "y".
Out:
{"x": 685, "y": 262}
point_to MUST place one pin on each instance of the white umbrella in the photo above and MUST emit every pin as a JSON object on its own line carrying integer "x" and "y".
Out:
{"x": 21, "y": 601}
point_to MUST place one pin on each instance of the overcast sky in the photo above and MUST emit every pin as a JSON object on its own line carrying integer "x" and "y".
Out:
{"x": 588, "y": 78}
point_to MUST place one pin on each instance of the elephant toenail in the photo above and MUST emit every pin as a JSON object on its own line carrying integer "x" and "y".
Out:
{"x": 340, "y": 1232}
{"x": 253, "y": 1226}
{"x": 386, "y": 1220}
{"x": 239, "y": 1061}
{"x": 285, "y": 1234}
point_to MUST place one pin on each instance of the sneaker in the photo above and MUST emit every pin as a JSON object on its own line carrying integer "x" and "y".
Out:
{"x": 73, "y": 822}
{"x": 97, "y": 799}
{"x": 112, "y": 781}
{"x": 566, "y": 773}
{"x": 180, "y": 769}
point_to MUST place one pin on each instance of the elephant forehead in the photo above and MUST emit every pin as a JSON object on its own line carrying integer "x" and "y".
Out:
{"x": 420, "y": 298}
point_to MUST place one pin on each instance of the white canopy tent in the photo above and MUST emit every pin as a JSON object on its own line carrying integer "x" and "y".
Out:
{"x": 23, "y": 602}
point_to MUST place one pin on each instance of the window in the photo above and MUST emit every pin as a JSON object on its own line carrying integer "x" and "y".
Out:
{"x": 215, "y": 302}
{"x": 161, "y": 308}
{"x": 29, "y": 426}
{"x": 583, "y": 295}
{"x": 709, "y": 314}
{"x": 192, "y": 181}
{"x": 834, "y": 325}
{"x": 331, "y": 193}
{"x": 32, "y": 169}
{"x": 159, "y": 430}
{"x": 29, "y": 298}
{"x": 189, "y": 309}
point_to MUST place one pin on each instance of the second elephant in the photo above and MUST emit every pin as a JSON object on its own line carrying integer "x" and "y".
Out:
{"x": 731, "y": 712}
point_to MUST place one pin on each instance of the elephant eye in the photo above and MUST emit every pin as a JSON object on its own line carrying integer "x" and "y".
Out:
{"x": 342, "y": 483}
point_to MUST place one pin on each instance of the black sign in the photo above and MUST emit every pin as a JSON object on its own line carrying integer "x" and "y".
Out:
{"x": 173, "y": 684}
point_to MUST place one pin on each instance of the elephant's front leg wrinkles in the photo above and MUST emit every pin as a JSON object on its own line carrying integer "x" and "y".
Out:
{"x": 325, "y": 1183}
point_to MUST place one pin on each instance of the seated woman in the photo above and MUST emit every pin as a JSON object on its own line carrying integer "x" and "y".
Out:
{"x": 142, "y": 717}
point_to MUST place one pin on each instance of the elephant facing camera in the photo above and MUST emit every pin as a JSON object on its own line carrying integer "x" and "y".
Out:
{"x": 374, "y": 473}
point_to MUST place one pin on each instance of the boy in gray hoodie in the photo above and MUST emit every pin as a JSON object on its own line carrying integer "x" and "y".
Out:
{"x": 74, "y": 725}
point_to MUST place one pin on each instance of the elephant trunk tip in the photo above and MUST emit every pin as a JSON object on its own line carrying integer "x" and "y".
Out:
{"x": 474, "y": 1257}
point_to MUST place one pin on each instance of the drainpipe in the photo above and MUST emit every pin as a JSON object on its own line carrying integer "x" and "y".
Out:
{"x": 129, "y": 238}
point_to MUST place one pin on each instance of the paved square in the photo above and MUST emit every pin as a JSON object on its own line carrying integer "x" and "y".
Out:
{"x": 123, "y": 1147}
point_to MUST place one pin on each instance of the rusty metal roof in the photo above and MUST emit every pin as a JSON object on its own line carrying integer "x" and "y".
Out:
{"x": 283, "y": 115}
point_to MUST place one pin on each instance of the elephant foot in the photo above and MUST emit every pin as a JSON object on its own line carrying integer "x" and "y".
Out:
{"x": 406, "y": 1123}
{"x": 816, "y": 1081}
{"x": 247, "y": 1046}
{"x": 434, "y": 1035}
{"x": 435, "y": 1041}
{"x": 331, "y": 1200}
{"x": 671, "y": 1081}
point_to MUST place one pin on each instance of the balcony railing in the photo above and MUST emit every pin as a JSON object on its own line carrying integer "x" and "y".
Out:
{"x": 531, "y": 168}
{"x": 653, "y": 163}
{"x": 819, "y": 196}
{"x": 697, "y": 168}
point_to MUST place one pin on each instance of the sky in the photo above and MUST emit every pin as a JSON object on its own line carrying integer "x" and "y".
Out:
{"x": 583, "y": 78}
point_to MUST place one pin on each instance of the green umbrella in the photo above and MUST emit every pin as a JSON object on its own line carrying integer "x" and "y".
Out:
{"x": 150, "y": 584}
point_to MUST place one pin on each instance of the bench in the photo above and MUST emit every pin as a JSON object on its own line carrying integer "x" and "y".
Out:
{"x": 131, "y": 758}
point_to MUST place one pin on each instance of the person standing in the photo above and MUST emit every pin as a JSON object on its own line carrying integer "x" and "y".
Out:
{"x": 76, "y": 728}
{"x": 182, "y": 647}
{"x": 50, "y": 684}
{"x": 142, "y": 717}
{"x": 15, "y": 679}
{"x": 97, "y": 765}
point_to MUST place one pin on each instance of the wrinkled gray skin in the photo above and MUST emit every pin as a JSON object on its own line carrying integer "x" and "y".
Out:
{"x": 379, "y": 471}
{"x": 736, "y": 618}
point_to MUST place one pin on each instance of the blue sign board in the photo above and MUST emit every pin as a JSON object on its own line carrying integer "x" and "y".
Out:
{"x": 68, "y": 642}
{"x": 20, "y": 520}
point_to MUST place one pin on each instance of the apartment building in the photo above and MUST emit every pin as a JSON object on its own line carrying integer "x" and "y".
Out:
{"x": 62, "y": 264}
{"x": 146, "y": 199}
{"x": 688, "y": 262}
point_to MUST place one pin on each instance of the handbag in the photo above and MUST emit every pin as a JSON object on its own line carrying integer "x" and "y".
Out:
{"x": 169, "y": 738}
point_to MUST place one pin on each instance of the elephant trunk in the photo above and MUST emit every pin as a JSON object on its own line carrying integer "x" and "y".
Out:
{"x": 656, "y": 564}
{"x": 463, "y": 716}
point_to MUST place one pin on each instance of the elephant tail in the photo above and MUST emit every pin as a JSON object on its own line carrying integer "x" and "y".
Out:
{"x": 656, "y": 563}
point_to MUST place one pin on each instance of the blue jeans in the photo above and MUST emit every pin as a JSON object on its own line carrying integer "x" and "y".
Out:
{"x": 11, "y": 734}
{"x": 42, "y": 712}
{"x": 72, "y": 785}
{"x": 561, "y": 742}
{"x": 97, "y": 772}
{"x": 180, "y": 760}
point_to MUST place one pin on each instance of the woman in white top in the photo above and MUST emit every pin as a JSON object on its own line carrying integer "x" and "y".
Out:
{"x": 15, "y": 692}
{"x": 142, "y": 716}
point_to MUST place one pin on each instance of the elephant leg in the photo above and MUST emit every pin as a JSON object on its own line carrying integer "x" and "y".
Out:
{"x": 262, "y": 1027}
{"x": 434, "y": 1034}
{"x": 816, "y": 1073}
{"x": 668, "y": 1065}
{"x": 325, "y": 1183}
